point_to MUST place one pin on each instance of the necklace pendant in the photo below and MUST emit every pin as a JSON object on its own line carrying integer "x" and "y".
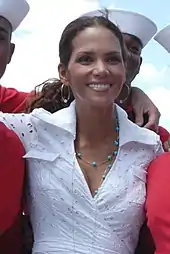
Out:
{"x": 103, "y": 177}
{"x": 109, "y": 157}
{"x": 115, "y": 153}
{"x": 109, "y": 166}
{"x": 94, "y": 164}
{"x": 79, "y": 155}
{"x": 117, "y": 128}
{"x": 116, "y": 142}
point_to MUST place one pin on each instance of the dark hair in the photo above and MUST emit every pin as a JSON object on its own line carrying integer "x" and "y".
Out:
{"x": 50, "y": 97}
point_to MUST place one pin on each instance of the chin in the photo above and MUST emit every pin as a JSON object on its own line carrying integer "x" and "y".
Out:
{"x": 101, "y": 103}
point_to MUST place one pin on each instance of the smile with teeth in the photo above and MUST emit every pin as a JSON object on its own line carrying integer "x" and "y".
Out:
{"x": 99, "y": 87}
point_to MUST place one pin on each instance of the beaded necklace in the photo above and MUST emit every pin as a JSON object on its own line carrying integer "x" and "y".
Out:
{"x": 110, "y": 158}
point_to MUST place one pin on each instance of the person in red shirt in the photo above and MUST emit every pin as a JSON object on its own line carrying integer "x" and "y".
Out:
{"x": 12, "y": 166}
{"x": 12, "y": 169}
{"x": 158, "y": 186}
{"x": 157, "y": 203}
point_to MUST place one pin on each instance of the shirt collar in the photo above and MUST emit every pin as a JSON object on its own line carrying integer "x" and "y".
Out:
{"x": 65, "y": 119}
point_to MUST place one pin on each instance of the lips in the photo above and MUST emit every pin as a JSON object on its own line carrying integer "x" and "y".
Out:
{"x": 99, "y": 87}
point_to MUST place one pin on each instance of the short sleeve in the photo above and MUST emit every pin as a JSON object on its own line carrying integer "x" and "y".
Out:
{"x": 21, "y": 124}
{"x": 12, "y": 100}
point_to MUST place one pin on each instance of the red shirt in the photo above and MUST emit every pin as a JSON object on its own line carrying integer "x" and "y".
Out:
{"x": 11, "y": 100}
{"x": 158, "y": 203}
{"x": 12, "y": 168}
{"x": 164, "y": 135}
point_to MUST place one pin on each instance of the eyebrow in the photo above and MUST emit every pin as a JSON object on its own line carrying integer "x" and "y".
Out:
{"x": 107, "y": 53}
{"x": 3, "y": 30}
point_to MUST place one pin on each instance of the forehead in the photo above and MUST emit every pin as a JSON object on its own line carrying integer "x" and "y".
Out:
{"x": 5, "y": 25}
{"x": 96, "y": 39}
{"x": 132, "y": 39}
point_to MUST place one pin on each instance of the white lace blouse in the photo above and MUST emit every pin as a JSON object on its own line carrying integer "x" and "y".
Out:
{"x": 64, "y": 215}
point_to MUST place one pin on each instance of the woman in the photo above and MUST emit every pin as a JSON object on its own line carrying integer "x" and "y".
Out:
{"x": 86, "y": 163}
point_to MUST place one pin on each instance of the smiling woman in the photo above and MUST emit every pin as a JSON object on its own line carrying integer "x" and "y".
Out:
{"x": 86, "y": 163}
{"x": 95, "y": 73}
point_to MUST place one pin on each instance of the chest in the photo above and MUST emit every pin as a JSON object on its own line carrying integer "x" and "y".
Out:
{"x": 62, "y": 174}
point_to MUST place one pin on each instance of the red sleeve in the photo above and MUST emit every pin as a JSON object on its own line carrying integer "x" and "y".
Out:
{"x": 11, "y": 100}
{"x": 12, "y": 168}
{"x": 164, "y": 135}
{"x": 158, "y": 203}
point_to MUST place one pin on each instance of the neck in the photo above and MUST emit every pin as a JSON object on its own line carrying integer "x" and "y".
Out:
{"x": 95, "y": 124}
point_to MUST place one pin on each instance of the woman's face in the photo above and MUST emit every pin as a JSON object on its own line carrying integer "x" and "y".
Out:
{"x": 96, "y": 70}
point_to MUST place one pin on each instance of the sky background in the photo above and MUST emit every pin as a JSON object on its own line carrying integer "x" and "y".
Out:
{"x": 36, "y": 55}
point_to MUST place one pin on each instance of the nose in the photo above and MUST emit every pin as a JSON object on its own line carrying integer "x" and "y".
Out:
{"x": 100, "y": 69}
{"x": 127, "y": 53}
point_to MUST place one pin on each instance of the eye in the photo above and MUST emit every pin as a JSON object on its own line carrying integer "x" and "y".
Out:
{"x": 85, "y": 59}
{"x": 114, "y": 60}
{"x": 134, "y": 50}
{"x": 3, "y": 37}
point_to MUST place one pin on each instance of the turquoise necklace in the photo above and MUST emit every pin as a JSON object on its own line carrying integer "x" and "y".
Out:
{"x": 94, "y": 163}
{"x": 110, "y": 158}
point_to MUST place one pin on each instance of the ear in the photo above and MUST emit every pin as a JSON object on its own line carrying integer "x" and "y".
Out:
{"x": 141, "y": 60}
{"x": 139, "y": 65}
{"x": 12, "y": 49}
{"x": 63, "y": 74}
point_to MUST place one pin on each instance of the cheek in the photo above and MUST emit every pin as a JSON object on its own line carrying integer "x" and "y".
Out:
{"x": 119, "y": 75}
{"x": 78, "y": 73}
{"x": 135, "y": 62}
{"x": 132, "y": 62}
{"x": 3, "y": 54}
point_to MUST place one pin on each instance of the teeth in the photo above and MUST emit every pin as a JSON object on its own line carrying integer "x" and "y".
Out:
{"x": 99, "y": 86}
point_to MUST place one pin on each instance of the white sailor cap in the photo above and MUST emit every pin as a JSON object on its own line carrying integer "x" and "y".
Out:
{"x": 130, "y": 23}
{"x": 163, "y": 38}
{"x": 14, "y": 11}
